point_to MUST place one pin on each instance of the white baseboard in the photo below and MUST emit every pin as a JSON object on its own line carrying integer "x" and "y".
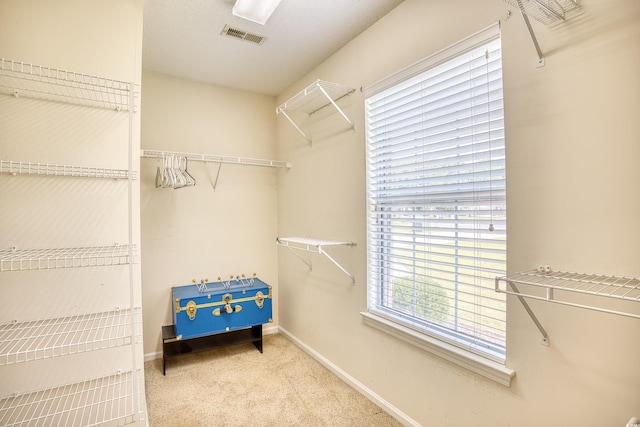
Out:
{"x": 375, "y": 398}
{"x": 271, "y": 329}
{"x": 266, "y": 330}
{"x": 148, "y": 357}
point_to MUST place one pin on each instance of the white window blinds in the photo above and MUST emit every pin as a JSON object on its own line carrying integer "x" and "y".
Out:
{"x": 437, "y": 196}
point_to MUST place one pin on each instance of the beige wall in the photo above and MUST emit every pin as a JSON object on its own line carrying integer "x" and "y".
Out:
{"x": 198, "y": 232}
{"x": 81, "y": 36}
{"x": 572, "y": 134}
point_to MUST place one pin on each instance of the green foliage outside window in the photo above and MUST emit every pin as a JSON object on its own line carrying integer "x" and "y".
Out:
{"x": 423, "y": 298}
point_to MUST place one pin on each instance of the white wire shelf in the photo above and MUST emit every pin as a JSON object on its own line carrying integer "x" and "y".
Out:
{"x": 176, "y": 158}
{"x": 19, "y": 168}
{"x": 34, "y": 81}
{"x": 558, "y": 285}
{"x": 43, "y": 259}
{"x": 103, "y": 401}
{"x": 547, "y": 12}
{"x": 316, "y": 246}
{"x": 310, "y": 244}
{"x": 43, "y": 339}
{"x": 211, "y": 158}
{"x": 316, "y": 96}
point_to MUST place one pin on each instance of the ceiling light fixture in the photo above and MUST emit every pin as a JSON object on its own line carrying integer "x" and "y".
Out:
{"x": 257, "y": 11}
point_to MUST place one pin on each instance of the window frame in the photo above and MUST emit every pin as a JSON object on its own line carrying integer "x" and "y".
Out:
{"x": 481, "y": 362}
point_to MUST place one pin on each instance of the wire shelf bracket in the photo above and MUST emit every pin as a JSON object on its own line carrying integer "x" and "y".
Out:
{"x": 315, "y": 246}
{"x": 558, "y": 284}
{"x": 316, "y": 96}
{"x": 547, "y": 12}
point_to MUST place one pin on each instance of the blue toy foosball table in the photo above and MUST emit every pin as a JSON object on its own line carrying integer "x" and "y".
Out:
{"x": 216, "y": 314}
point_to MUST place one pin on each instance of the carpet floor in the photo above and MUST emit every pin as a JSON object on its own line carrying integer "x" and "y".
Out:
{"x": 239, "y": 386}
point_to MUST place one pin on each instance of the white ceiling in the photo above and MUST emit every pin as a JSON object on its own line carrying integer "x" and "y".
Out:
{"x": 182, "y": 38}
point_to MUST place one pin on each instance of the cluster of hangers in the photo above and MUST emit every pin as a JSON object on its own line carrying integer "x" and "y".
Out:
{"x": 173, "y": 172}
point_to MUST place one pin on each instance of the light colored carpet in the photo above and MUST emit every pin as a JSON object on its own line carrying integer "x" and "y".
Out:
{"x": 239, "y": 386}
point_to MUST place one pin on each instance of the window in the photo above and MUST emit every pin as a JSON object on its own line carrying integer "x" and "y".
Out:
{"x": 437, "y": 196}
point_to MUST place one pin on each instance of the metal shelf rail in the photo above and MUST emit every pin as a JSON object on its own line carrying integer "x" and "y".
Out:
{"x": 99, "y": 401}
{"x": 17, "y": 168}
{"x": 51, "y": 84}
{"x": 44, "y": 259}
{"x": 558, "y": 284}
{"x": 42, "y": 339}
{"x": 315, "y": 246}
{"x": 316, "y": 96}
{"x": 213, "y": 158}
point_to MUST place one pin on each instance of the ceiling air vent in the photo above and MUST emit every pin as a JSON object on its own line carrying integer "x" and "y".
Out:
{"x": 242, "y": 35}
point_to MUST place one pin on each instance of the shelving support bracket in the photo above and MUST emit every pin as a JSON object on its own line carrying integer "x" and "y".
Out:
{"x": 323, "y": 252}
{"x": 295, "y": 125}
{"x": 308, "y": 264}
{"x": 215, "y": 183}
{"x": 527, "y": 23}
{"x": 543, "y": 332}
{"x": 344, "y": 116}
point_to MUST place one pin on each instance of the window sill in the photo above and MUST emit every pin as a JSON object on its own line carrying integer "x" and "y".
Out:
{"x": 487, "y": 368}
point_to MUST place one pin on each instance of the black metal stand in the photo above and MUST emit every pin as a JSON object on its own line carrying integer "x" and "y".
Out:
{"x": 172, "y": 347}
